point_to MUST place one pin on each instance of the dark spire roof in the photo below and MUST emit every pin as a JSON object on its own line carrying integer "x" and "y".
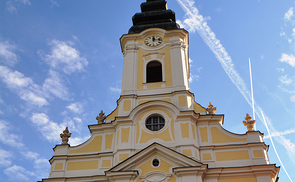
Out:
{"x": 154, "y": 14}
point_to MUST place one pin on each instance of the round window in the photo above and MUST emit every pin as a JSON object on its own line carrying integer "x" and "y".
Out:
{"x": 156, "y": 162}
{"x": 155, "y": 123}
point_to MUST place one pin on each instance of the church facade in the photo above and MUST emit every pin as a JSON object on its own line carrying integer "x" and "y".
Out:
{"x": 158, "y": 132}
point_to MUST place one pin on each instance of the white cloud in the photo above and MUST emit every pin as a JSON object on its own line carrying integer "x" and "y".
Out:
{"x": 289, "y": 14}
{"x": 54, "y": 85}
{"x": 292, "y": 98}
{"x": 49, "y": 129}
{"x": 5, "y": 158}
{"x": 18, "y": 173}
{"x": 54, "y": 3}
{"x": 14, "y": 79}
{"x": 7, "y": 137}
{"x": 285, "y": 80}
{"x": 7, "y": 56}
{"x": 76, "y": 107}
{"x": 275, "y": 134}
{"x": 115, "y": 89}
{"x": 23, "y": 86}
{"x": 41, "y": 165}
{"x": 10, "y": 7}
{"x": 290, "y": 59}
{"x": 64, "y": 56}
{"x": 193, "y": 77}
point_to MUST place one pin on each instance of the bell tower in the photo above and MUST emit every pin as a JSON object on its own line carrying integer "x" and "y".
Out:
{"x": 155, "y": 52}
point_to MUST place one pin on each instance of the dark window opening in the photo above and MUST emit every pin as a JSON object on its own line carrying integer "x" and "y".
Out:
{"x": 154, "y": 72}
{"x": 155, "y": 123}
{"x": 156, "y": 162}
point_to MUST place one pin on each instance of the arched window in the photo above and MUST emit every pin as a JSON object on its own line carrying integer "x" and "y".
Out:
{"x": 154, "y": 72}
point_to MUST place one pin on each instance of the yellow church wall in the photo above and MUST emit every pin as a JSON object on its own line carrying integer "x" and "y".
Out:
{"x": 125, "y": 135}
{"x": 123, "y": 157}
{"x": 194, "y": 131}
{"x": 184, "y": 130}
{"x": 207, "y": 157}
{"x": 113, "y": 114}
{"x": 204, "y": 134}
{"x": 182, "y": 101}
{"x": 232, "y": 155}
{"x": 244, "y": 179}
{"x": 127, "y": 105}
{"x": 168, "y": 72}
{"x": 106, "y": 163}
{"x": 220, "y": 137}
{"x": 145, "y": 137}
{"x": 59, "y": 166}
{"x": 82, "y": 165}
{"x": 118, "y": 132}
{"x": 187, "y": 152}
{"x": 196, "y": 154}
{"x": 108, "y": 141}
{"x": 172, "y": 129}
{"x": 257, "y": 153}
{"x": 198, "y": 108}
{"x": 93, "y": 146}
{"x": 155, "y": 85}
{"x": 143, "y": 101}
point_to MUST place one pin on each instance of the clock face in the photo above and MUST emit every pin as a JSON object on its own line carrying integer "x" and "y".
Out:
{"x": 153, "y": 41}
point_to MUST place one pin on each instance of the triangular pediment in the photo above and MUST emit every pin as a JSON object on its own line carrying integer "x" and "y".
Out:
{"x": 164, "y": 153}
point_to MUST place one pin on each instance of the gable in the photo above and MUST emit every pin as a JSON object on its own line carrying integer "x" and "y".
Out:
{"x": 167, "y": 157}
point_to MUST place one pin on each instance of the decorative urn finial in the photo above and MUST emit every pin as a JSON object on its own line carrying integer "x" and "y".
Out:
{"x": 65, "y": 136}
{"x": 100, "y": 119}
{"x": 211, "y": 109}
{"x": 249, "y": 123}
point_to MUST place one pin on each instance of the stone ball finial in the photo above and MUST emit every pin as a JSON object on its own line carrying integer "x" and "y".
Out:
{"x": 249, "y": 123}
{"x": 65, "y": 136}
{"x": 211, "y": 109}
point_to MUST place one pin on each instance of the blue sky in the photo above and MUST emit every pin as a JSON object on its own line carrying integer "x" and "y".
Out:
{"x": 61, "y": 63}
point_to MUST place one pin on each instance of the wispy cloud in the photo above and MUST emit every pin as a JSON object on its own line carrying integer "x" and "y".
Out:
{"x": 276, "y": 134}
{"x": 115, "y": 89}
{"x": 290, "y": 59}
{"x": 7, "y": 137}
{"x": 18, "y": 173}
{"x": 10, "y": 7}
{"x": 285, "y": 80}
{"x": 292, "y": 98}
{"x": 5, "y": 158}
{"x": 7, "y": 56}
{"x": 23, "y": 86}
{"x": 76, "y": 107}
{"x": 41, "y": 165}
{"x": 49, "y": 129}
{"x": 54, "y": 85}
{"x": 289, "y": 14}
{"x": 64, "y": 56}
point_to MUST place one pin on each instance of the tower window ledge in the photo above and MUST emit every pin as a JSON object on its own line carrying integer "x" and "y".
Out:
{"x": 154, "y": 85}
